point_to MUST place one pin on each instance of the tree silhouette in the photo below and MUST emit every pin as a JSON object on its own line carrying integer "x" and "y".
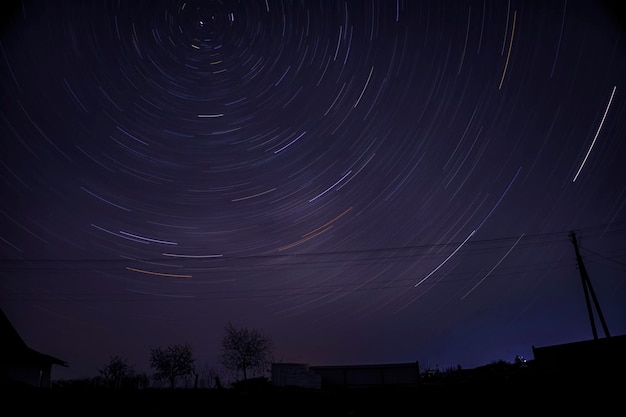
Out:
{"x": 245, "y": 349}
{"x": 115, "y": 371}
{"x": 172, "y": 362}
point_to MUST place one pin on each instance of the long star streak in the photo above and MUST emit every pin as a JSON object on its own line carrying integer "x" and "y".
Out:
{"x": 494, "y": 267}
{"x": 596, "y": 136}
{"x": 508, "y": 55}
{"x": 447, "y": 259}
{"x": 161, "y": 274}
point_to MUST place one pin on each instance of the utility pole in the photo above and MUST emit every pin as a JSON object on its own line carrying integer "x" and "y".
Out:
{"x": 588, "y": 289}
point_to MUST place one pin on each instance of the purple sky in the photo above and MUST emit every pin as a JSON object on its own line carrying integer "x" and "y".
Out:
{"x": 362, "y": 181}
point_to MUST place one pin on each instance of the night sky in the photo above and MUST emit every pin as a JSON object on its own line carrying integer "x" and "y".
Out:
{"x": 365, "y": 182}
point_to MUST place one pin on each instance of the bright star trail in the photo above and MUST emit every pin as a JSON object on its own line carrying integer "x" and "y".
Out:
{"x": 376, "y": 181}
{"x": 608, "y": 106}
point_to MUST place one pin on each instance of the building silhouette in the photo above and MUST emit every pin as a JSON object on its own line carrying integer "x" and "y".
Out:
{"x": 19, "y": 364}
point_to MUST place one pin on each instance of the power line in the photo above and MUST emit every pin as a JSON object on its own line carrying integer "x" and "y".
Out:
{"x": 598, "y": 230}
{"x": 602, "y": 256}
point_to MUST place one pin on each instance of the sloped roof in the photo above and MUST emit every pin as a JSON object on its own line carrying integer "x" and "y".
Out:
{"x": 13, "y": 349}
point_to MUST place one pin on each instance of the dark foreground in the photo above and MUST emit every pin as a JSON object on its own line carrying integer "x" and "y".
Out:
{"x": 600, "y": 395}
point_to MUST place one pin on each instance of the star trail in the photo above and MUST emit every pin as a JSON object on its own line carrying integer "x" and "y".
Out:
{"x": 373, "y": 181}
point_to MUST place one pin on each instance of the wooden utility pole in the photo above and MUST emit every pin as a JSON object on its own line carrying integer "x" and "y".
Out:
{"x": 588, "y": 289}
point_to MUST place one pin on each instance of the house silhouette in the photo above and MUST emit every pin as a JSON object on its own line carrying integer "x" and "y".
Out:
{"x": 19, "y": 364}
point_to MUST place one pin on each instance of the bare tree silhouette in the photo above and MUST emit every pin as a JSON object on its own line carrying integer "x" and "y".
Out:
{"x": 172, "y": 362}
{"x": 116, "y": 371}
{"x": 245, "y": 350}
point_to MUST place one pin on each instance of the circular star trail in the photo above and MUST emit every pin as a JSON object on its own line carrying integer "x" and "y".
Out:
{"x": 366, "y": 181}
